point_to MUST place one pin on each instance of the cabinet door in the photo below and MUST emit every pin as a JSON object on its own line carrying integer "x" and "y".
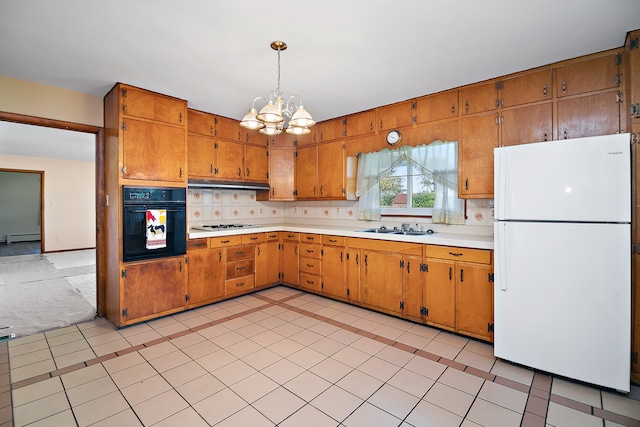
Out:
{"x": 475, "y": 156}
{"x": 153, "y": 288}
{"x": 153, "y": 151}
{"x": 395, "y": 116}
{"x": 281, "y": 174}
{"x": 413, "y": 284}
{"x": 229, "y": 160}
{"x": 206, "y": 276}
{"x": 526, "y": 88}
{"x": 152, "y": 106}
{"x": 256, "y": 163}
{"x": 474, "y": 300}
{"x": 307, "y": 172}
{"x": 440, "y": 293}
{"x": 331, "y": 166}
{"x": 330, "y": 130}
{"x": 289, "y": 262}
{"x": 200, "y": 156}
{"x": 437, "y": 107}
{"x": 228, "y": 129}
{"x": 353, "y": 274}
{"x": 527, "y": 124}
{"x": 479, "y": 98}
{"x": 267, "y": 263}
{"x": 589, "y": 116}
{"x": 333, "y": 272}
{"x": 588, "y": 76}
{"x": 361, "y": 123}
{"x": 254, "y": 137}
{"x": 381, "y": 284}
{"x": 201, "y": 123}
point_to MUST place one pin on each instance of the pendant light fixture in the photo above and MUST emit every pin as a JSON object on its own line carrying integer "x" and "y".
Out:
{"x": 270, "y": 119}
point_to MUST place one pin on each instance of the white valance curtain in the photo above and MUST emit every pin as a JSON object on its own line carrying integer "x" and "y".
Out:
{"x": 438, "y": 160}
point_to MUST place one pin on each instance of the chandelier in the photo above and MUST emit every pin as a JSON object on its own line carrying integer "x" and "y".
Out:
{"x": 270, "y": 119}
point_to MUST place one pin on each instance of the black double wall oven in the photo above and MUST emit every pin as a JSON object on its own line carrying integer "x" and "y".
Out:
{"x": 146, "y": 237}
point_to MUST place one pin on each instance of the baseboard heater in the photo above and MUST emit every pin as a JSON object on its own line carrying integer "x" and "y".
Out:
{"x": 22, "y": 237}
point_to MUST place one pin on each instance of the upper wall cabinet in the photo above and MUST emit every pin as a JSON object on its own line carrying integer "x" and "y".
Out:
{"x": 152, "y": 106}
{"x": 395, "y": 115}
{"x": 330, "y": 130}
{"x": 478, "y": 98}
{"x": 229, "y": 129}
{"x": 361, "y": 123}
{"x": 590, "y": 75}
{"x": 525, "y": 88}
{"x": 437, "y": 107}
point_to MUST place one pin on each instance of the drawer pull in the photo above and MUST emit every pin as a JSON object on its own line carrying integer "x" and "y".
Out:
{"x": 240, "y": 284}
{"x": 225, "y": 241}
{"x": 239, "y": 268}
{"x": 310, "y": 251}
{"x": 310, "y": 238}
{"x": 333, "y": 241}
{"x": 240, "y": 253}
{"x": 456, "y": 254}
{"x": 310, "y": 282}
{"x": 253, "y": 238}
{"x": 310, "y": 265}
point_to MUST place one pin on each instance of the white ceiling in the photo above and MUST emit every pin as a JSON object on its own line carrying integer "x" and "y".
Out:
{"x": 343, "y": 56}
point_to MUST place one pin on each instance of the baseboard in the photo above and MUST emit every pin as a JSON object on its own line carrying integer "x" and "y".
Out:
{"x": 22, "y": 237}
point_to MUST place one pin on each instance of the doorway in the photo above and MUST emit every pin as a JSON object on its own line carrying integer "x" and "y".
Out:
{"x": 87, "y": 255}
{"x": 21, "y": 213}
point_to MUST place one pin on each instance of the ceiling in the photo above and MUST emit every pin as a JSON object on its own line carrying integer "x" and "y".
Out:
{"x": 342, "y": 57}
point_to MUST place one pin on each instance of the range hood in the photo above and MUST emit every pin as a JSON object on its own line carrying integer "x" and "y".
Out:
{"x": 206, "y": 183}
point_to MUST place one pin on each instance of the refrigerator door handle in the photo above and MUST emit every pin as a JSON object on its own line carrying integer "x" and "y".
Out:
{"x": 501, "y": 187}
{"x": 501, "y": 255}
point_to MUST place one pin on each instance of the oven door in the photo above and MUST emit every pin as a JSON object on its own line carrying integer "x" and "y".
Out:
{"x": 134, "y": 238}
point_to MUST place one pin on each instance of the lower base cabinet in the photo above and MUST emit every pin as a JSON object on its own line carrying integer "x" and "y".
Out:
{"x": 267, "y": 262}
{"x": 206, "y": 274}
{"x": 152, "y": 289}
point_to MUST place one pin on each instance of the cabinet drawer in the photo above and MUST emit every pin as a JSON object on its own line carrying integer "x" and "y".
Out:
{"x": 287, "y": 235}
{"x": 240, "y": 252}
{"x": 239, "y": 285}
{"x": 310, "y": 281}
{"x": 272, "y": 236}
{"x": 253, "y": 238}
{"x": 197, "y": 244}
{"x": 311, "y": 251}
{"x": 310, "y": 265}
{"x": 310, "y": 238}
{"x": 239, "y": 268}
{"x": 217, "y": 242}
{"x": 333, "y": 240}
{"x": 480, "y": 256}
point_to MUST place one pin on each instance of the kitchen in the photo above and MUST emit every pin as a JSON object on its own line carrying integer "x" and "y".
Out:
{"x": 336, "y": 208}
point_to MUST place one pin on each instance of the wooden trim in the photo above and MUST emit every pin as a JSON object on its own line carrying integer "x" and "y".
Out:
{"x": 50, "y": 123}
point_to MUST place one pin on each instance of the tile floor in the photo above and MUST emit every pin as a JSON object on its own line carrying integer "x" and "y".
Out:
{"x": 284, "y": 357}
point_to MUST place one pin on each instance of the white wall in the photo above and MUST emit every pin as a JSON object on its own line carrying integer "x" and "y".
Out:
{"x": 69, "y": 200}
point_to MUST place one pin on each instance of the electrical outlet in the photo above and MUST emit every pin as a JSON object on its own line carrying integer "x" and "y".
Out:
{"x": 260, "y": 211}
{"x": 492, "y": 212}
{"x": 295, "y": 209}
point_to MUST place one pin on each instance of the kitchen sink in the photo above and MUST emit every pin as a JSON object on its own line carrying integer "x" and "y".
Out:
{"x": 395, "y": 230}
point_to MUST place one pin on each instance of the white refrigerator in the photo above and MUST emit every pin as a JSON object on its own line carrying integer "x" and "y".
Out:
{"x": 562, "y": 241}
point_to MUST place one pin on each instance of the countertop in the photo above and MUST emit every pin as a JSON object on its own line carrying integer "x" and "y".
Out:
{"x": 438, "y": 238}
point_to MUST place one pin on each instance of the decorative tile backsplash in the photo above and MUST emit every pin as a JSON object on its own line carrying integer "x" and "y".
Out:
{"x": 207, "y": 205}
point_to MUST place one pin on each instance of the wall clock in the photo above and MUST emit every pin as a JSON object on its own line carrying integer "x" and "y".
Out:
{"x": 394, "y": 137}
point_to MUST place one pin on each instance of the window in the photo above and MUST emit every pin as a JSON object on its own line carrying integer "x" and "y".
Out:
{"x": 414, "y": 181}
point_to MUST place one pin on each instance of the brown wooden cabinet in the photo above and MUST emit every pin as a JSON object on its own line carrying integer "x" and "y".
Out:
{"x": 352, "y": 275}
{"x": 475, "y": 156}
{"x": 307, "y": 172}
{"x": 478, "y": 98}
{"x": 591, "y": 115}
{"x": 310, "y": 262}
{"x": 331, "y": 170}
{"x": 440, "y": 106}
{"x": 333, "y": 267}
{"x": 206, "y": 273}
{"x": 153, "y": 151}
{"x": 282, "y": 173}
{"x": 590, "y": 74}
{"x": 458, "y": 290}
{"x": 395, "y": 116}
{"x": 256, "y": 163}
{"x": 152, "y": 289}
{"x": 525, "y": 88}
{"x": 240, "y": 269}
{"x": 229, "y": 160}
{"x": 201, "y": 156}
{"x": 289, "y": 258}
{"x": 267, "y": 258}
{"x": 523, "y": 125}
{"x": 412, "y": 287}
{"x": 229, "y": 129}
{"x": 362, "y": 123}
{"x": 329, "y": 130}
{"x": 148, "y": 105}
